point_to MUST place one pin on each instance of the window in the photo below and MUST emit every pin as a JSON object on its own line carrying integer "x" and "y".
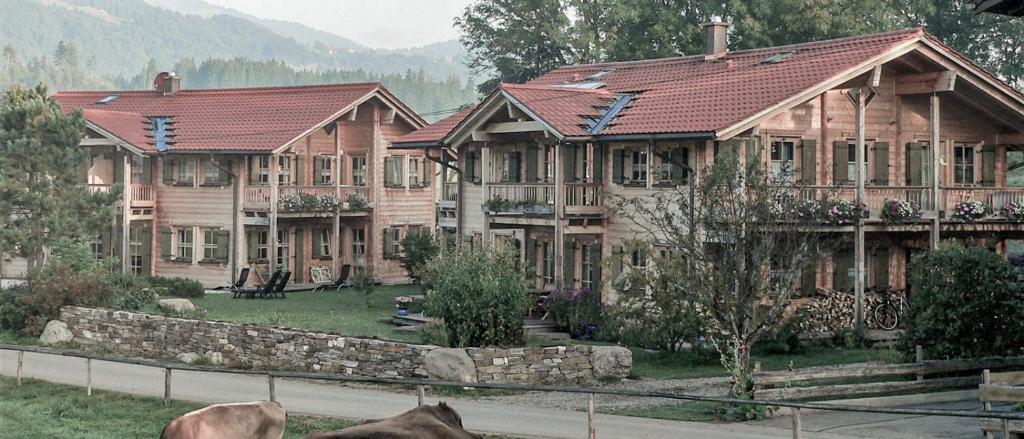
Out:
{"x": 392, "y": 242}
{"x": 547, "y": 261}
{"x": 963, "y": 164}
{"x": 586, "y": 266}
{"x": 209, "y": 244}
{"x": 414, "y": 175}
{"x": 135, "y": 250}
{"x": 259, "y": 169}
{"x": 359, "y": 170}
{"x": 259, "y": 245}
{"x": 186, "y": 172}
{"x": 322, "y": 243}
{"x": 97, "y": 247}
{"x": 284, "y": 172}
{"x": 393, "y": 171}
{"x": 638, "y": 166}
{"x": 140, "y": 170}
{"x": 185, "y": 244}
{"x": 472, "y": 170}
{"x": 212, "y": 175}
{"x": 549, "y": 164}
{"x": 851, "y": 165}
{"x": 322, "y": 170}
{"x": 510, "y": 167}
{"x": 359, "y": 247}
{"x": 782, "y": 160}
{"x": 282, "y": 250}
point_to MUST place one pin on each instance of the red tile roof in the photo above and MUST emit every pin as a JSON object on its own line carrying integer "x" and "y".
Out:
{"x": 246, "y": 119}
{"x": 439, "y": 129}
{"x": 129, "y": 127}
{"x": 688, "y": 94}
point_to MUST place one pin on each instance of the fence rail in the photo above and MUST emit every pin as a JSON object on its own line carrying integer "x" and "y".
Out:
{"x": 271, "y": 375}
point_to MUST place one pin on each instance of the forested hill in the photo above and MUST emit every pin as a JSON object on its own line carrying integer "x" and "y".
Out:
{"x": 119, "y": 44}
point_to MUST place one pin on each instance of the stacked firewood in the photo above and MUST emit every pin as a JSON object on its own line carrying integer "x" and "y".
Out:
{"x": 831, "y": 310}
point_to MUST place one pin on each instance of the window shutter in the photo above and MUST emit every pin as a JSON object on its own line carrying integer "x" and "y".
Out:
{"x": 119, "y": 169}
{"x": 840, "y": 160}
{"x": 880, "y": 267}
{"x": 595, "y": 265}
{"x": 223, "y": 245}
{"x": 388, "y": 242}
{"x": 808, "y": 161}
{"x": 598, "y": 162}
{"x": 841, "y": 271}
{"x": 618, "y": 161}
{"x": 251, "y": 245}
{"x": 569, "y": 264}
{"x": 317, "y": 241}
{"x": 569, "y": 162}
{"x": 147, "y": 170}
{"x": 428, "y": 172}
{"x": 166, "y": 252}
{"x": 469, "y": 167}
{"x": 389, "y": 172}
{"x": 223, "y": 178}
{"x": 299, "y": 176}
{"x": 753, "y": 152}
{"x": 881, "y": 164}
{"x": 318, "y": 167}
{"x": 145, "y": 237}
{"x": 168, "y": 171}
{"x": 531, "y": 163}
{"x": 617, "y": 255}
{"x": 678, "y": 157}
{"x": 808, "y": 279}
{"x": 254, "y": 170}
{"x": 988, "y": 165}
{"x": 115, "y": 243}
{"x": 915, "y": 164}
{"x": 515, "y": 167}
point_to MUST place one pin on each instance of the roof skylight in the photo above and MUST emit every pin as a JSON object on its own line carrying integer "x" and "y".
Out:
{"x": 106, "y": 100}
{"x": 778, "y": 57}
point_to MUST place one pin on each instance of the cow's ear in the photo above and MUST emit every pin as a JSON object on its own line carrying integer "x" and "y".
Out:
{"x": 442, "y": 404}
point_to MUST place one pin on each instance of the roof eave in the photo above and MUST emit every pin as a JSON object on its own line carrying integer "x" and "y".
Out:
{"x": 117, "y": 140}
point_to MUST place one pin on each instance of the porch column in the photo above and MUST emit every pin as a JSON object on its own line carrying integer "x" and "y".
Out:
{"x": 126, "y": 208}
{"x": 937, "y": 201}
{"x": 559, "y": 243}
{"x": 336, "y": 225}
{"x": 272, "y": 238}
{"x": 860, "y": 98}
{"x": 485, "y": 175}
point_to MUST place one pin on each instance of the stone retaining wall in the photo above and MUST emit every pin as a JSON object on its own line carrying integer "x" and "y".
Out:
{"x": 265, "y": 347}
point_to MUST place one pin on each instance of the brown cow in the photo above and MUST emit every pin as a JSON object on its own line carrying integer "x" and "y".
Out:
{"x": 426, "y": 422}
{"x": 246, "y": 420}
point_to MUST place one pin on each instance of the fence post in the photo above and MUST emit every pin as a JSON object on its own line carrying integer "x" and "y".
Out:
{"x": 270, "y": 382}
{"x": 591, "y": 429}
{"x": 88, "y": 377}
{"x": 21, "y": 365}
{"x": 1006, "y": 428}
{"x": 919, "y": 357}
{"x": 420, "y": 395}
{"x": 797, "y": 424}
{"x": 167, "y": 387}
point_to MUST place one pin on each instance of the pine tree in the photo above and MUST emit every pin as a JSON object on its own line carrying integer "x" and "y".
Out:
{"x": 41, "y": 198}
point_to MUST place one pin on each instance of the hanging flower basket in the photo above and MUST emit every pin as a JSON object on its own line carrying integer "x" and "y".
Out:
{"x": 1014, "y": 211}
{"x": 900, "y": 211}
{"x": 842, "y": 212}
{"x": 970, "y": 210}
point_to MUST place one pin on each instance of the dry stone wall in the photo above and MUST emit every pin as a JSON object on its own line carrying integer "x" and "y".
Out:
{"x": 265, "y": 347}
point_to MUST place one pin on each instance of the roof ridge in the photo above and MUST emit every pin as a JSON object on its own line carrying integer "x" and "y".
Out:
{"x": 908, "y": 31}
{"x": 547, "y": 87}
{"x": 225, "y": 90}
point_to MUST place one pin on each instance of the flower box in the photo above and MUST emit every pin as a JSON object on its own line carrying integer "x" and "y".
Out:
{"x": 970, "y": 210}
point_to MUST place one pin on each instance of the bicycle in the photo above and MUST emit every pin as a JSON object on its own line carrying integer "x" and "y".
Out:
{"x": 887, "y": 314}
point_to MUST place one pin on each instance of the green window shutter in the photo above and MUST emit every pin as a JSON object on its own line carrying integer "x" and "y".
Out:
{"x": 808, "y": 279}
{"x": 618, "y": 162}
{"x": 531, "y": 259}
{"x": 166, "y": 252}
{"x": 254, "y": 170}
{"x": 428, "y": 172}
{"x": 168, "y": 171}
{"x": 595, "y": 265}
{"x": 841, "y": 271}
{"x": 531, "y": 163}
{"x": 880, "y": 268}
{"x": 389, "y": 172}
{"x": 598, "y": 162}
{"x": 147, "y": 170}
{"x": 881, "y": 163}
{"x": 840, "y": 157}
{"x": 223, "y": 245}
{"x": 569, "y": 162}
{"x": 569, "y": 263}
{"x": 753, "y": 151}
{"x": 146, "y": 238}
{"x": 808, "y": 161}
{"x": 119, "y": 169}
{"x": 915, "y": 164}
{"x": 300, "y": 255}
{"x": 318, "y": 167}
{"x": 251, "y": 244}
{"x": 617, "y": 254}
{"x": 317, "y": 241}
{"x": 470, "y": 171}
{"x": 678, "y": 157}
{"x": 223, "y": 178}
{"x": 389, "y": 241}
{"x": 299, "y": 176}
{"x": 988, "y": 165}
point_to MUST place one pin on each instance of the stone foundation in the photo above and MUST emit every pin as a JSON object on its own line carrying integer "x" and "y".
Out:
{"x": 263, "y": 347}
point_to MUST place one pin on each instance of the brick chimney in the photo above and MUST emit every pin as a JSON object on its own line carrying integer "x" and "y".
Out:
{"x": 167, "y": 83}
{"x": 716, "y": 39}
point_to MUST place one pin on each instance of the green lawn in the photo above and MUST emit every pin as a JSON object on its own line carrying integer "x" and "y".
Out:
{"x": 682, "y": 365}
{"x": 39, "y": 409}
{"x": 693, "y": 411}
{"x": 344, "y": 312}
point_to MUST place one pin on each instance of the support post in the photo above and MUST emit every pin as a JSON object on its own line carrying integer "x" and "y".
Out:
{"x": 933, "y": 119}
{"x": 559, "y": 242}
{"x": 919, "y": 357}
{"x": 88, "y": 377}
{"x": 167, "y": 387}
{"x": 591, "y": 429}
{"x": 420, "y": 395}
{"x": 126, "y": 209}
{"x": 860, "y": 101}
{"x": 797, "y": 424}
{"x": 21, "y": 367}
{"x": 336, "y": 174}
{"x": 986, "y": 378}
{"x": 270, "y": 383}
{"x": 274, "y": 165}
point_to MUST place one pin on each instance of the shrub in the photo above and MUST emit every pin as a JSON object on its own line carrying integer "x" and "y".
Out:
{"x": 499, "y": 204}
{"x": 481, "y": 295}
{"x": 577, "y": 310}
{"x": 783, "y": 341}
{"x": 970, "y": 210}
{"x": 897, "y": 211}
{"x": 1014, "y": 211}
{"x": 357, "y": 202}
{"x": 433, "y": 333}
{"x": 363, "y": 280}
{"x": 418, "y": 247}
{"x": 13, "y": 311}
{"x": 967, "y": 304}
{"x": 178, "y": 286}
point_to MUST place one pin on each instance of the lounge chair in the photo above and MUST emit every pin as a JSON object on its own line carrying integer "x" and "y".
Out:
{"x": 262, "y": 290}
{"x": 237, "y": 287}
{"x": 342, "y": 282}
{"x": 279, "y": 289}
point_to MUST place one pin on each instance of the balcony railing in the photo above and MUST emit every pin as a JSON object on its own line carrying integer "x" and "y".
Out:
{"x": 258, "y": 197}
{"x": 874, "y": 196}
{"x": 522, "y": 192}
{"x": 583, "y": 198}
{"x": 99, "y": 188}
{"x": 141, "y": 195}
{"x": 994, "y": 197}
{"x": 450, "y": 192}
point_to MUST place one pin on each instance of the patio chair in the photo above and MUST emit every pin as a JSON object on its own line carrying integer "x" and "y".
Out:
{"x": 342, "y": 282}
{"x": 279, "y": 289}
{"x": 262, "y": 290}
{"x": 237, "y": 287}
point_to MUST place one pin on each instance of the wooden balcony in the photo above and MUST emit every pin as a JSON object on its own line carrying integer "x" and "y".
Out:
{"x": 449, "y": 195}
{"x": 874, "y": 196}
{"x": 258, "y": 198}
{"x": 993, "y": 197}
{"x": 141, "y": 195}
{"x": 538, "y": 199}
{"x": 584, "y": 199}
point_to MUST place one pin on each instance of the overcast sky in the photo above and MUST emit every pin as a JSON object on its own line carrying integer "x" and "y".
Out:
{"x": 388, "y": 24}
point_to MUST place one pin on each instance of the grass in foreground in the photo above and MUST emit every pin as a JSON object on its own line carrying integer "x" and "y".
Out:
{"x": 40, "y": 409}
{"x": 684, "y": 365}
{"x": 693, "y": 411}
{"x": 343, "y": 312}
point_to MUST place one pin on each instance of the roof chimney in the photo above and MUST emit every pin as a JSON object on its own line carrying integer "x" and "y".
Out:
{"x": 167, "y": 83}
{"x": 716, "y": 39}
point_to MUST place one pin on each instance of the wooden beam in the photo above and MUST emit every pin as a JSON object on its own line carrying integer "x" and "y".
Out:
{"x": 513, "y": 127}
{"x": 389, "y": 116}
{"x": 936, "y": 147}
{"x": 514, "y": 112}
{"x": 97, "y": 142}
{"x": 876, "y": 76}
{"x": 481, "y": 136}
{"x": 352, "y": 114}
{"x": 1015, "y": 138}
{"x": 923, "y": 83}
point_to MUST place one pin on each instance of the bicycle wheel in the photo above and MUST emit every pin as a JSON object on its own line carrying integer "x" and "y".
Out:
{"x": 887, "y": 316}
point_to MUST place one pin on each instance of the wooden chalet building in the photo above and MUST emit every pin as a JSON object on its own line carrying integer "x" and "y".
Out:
{"x": 884, "y": 104}
{"x": 214, "y": 176}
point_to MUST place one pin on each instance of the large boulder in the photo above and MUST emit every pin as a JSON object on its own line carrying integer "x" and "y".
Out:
{"x": 611, "y": 362}
{"x": 176, "y": 305}
{"x": 450, "y": 364}
{"x": 188, "y": 357}
{"x": 56, "y": 332}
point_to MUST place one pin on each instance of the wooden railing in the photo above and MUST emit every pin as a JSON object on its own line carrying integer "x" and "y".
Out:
{"x": 993, "y": 197}
{"x": 141, "y": 195}
{"x": 99, "y": 188}
{"x": 874, "y": 196}
{"x": 319, "y": 191}
{"x": 522, "y": 192}
{"x": 450, "y": 192}
{"x": 256, "y": 198}
{"x": 583, "y": 198}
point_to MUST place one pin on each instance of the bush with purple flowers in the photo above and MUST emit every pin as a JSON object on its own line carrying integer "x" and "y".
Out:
{"x": 970, "y": 210}
{"x": 898, "y": 211}
{"x": 578, "y": 310}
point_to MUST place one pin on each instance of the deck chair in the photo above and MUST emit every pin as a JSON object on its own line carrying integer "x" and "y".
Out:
{"x": 237, "y": 287}
{"x": 342, "y": 282}
{"x": 279, "y": 289}
{"x": 262, "y": 290}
